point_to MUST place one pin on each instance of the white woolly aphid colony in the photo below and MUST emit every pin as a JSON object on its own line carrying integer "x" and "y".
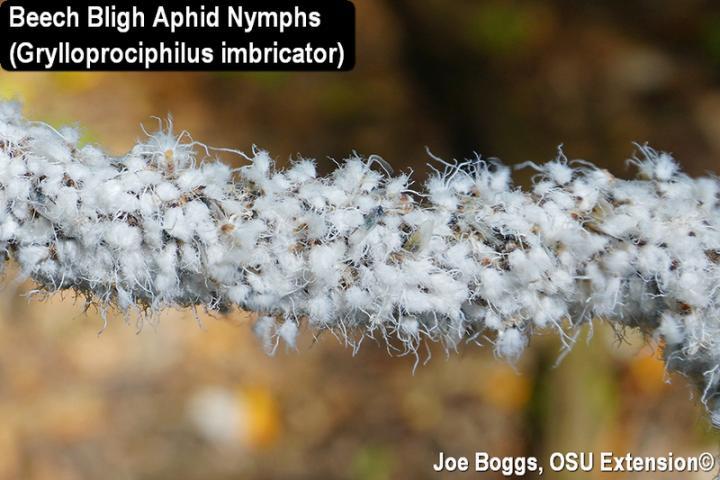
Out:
{"x": 360, "y": 253}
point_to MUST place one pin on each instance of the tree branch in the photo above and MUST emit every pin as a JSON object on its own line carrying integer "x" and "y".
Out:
{"x": 361, "y": 253}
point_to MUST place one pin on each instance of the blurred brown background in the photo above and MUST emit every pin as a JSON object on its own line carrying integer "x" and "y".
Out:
{"x": 505, "y": 79}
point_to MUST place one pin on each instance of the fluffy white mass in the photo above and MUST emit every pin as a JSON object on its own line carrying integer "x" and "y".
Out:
{"x": 360, "y": 253}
